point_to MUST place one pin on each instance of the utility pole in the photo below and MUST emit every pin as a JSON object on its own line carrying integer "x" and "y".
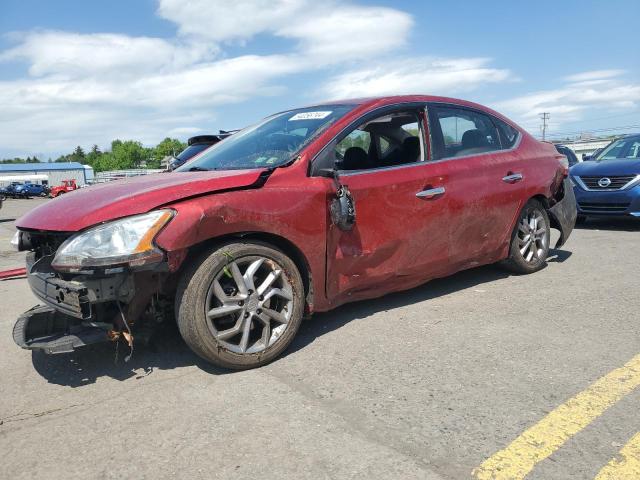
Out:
{"x": 545, "y": 117}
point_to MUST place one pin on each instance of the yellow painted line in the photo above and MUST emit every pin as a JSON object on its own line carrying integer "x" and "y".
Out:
{"x": 625, "y": 467}
{"x": 550, "y": 433}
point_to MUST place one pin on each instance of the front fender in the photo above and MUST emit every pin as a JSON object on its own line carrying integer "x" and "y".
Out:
{"x": 564, "y": 213}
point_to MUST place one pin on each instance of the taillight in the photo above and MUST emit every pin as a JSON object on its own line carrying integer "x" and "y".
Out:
{"x": 564, "y": 161}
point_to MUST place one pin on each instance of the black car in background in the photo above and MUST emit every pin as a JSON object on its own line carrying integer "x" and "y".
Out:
{"x": 567, "y": 152}
{"x": 197, "y": 144}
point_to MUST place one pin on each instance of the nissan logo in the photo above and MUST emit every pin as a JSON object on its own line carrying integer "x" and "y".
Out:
{"x": 604, "y": 182}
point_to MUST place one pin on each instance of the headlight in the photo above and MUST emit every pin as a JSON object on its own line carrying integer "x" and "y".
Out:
{"x": 15, "y": 241}
{"x": 128, "y": 241}
{"x": 573, "y": 183}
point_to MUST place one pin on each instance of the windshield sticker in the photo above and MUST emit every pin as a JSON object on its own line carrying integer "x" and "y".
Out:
{"x": 310, "y": 115}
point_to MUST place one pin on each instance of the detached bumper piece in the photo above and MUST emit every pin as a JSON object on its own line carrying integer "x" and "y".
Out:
{"x": 43, "y": 328}
{"x": 64, "y": 296}
{"x": 564, "y": 213}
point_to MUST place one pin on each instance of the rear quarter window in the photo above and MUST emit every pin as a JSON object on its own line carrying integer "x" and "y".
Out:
{"x": 508, "y": 134}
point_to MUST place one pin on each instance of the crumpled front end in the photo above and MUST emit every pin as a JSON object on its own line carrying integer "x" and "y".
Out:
{"x": 88, "y": 306}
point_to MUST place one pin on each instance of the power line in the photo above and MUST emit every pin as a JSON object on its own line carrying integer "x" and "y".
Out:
{"x": 597, "y": 130}
{"x": 550, "y": 132}
{"x": 587, "y": 120}
{"x": 544, "y": 116}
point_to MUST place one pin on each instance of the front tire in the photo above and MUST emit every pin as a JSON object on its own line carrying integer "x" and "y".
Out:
{"x": 240, "y": 305}
{"x": 530, "y": 239}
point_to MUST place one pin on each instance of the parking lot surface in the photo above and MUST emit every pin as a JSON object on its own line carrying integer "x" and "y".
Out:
{"x": 481, "y": 375}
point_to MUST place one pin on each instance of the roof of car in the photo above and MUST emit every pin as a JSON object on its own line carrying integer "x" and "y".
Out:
{"x": 392, "y": 99}
{"x": 40, "y": 167}
{"x": 373, "y": 102}
{"x": 395, "y": 99}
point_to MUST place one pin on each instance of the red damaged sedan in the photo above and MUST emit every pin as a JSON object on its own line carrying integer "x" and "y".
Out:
{"x": 309, "y": 209}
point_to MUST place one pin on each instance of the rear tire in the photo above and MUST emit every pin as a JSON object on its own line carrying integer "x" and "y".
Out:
{"x": 530, "y": 239}
{"x": 239, "y": 305}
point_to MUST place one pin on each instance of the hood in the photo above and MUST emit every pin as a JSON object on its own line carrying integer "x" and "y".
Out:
{"x": 85, "y": 207}
{"x": 607, "y": 168}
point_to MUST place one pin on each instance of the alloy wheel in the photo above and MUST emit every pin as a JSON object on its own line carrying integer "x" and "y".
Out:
{"x": 249, "y": 304}
{"x": 532, "y": 236}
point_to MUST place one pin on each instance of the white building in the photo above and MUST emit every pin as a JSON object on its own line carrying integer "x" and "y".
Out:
{"x": 585, "y": 147}
{"x": 53, "y": 172}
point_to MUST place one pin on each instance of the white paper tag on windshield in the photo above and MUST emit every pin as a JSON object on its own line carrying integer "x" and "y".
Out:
{"x": 310, "y": 115}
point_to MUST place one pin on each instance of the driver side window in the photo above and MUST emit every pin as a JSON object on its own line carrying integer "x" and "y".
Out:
{"x": 356, "y": 139}
{"x": 389, "y": 140}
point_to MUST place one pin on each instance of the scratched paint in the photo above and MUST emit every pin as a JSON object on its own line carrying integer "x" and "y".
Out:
{"x": 548, "y": 435}
{"x": 626, "y": 466}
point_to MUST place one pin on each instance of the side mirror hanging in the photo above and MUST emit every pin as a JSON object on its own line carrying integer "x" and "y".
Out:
{"x": 342, "y": 208}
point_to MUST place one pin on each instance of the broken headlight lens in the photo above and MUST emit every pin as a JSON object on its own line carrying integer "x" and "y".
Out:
{"x": 128, "y": 241}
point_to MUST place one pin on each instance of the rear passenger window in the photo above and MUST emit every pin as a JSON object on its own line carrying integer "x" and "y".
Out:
{"x": 462, "y": 132}
{"x": 508, "y": 134}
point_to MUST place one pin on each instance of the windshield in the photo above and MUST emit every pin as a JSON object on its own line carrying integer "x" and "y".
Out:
{"x": 270, "y": 143}
{"x": 620, "y": 149}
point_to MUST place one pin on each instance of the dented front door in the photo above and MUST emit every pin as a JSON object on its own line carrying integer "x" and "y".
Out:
{"x": 400, "y": 236}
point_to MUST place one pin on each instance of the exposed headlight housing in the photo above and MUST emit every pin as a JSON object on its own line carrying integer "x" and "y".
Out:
{"x": 16, "y": 240}
{"x": 128, "y": 241}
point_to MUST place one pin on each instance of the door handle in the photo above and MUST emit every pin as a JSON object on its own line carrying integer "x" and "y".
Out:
{"x": 512, "y": 178}
{"x": 431, "y": 192}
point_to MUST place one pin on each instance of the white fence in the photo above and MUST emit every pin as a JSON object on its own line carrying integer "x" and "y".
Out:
{"x": 102, "y": 177}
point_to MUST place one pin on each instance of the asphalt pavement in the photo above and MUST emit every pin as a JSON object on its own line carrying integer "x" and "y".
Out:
{"x": 483, "y": 374}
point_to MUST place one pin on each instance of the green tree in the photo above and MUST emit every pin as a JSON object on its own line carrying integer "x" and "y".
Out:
{"x": 104, "y": 162}
{"x": 93, "y": 156}
{"x": 77, "y": 155}
{"x": 129, "y": 154}
{"x": 167, "y": 147}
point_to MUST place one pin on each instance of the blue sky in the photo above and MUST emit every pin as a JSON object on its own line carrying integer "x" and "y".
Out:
{"x": 78, "y": 72}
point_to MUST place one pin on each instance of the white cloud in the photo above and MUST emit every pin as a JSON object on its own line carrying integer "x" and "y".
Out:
{"x": 54, "y": 113}
{"x": 223, "y": 20}
{"x": 73, "y": 54}
{"x": 417, "y": 75}
{"x": 577, "y": 100}
{"x": 594, "y": 75}
{"x": 92, "y": 88}
{"x": 349, "y": 32}
{"x": 326, "y": 32}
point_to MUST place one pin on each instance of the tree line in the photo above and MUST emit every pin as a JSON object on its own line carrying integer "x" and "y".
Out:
{"x": 122, "y": 155}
